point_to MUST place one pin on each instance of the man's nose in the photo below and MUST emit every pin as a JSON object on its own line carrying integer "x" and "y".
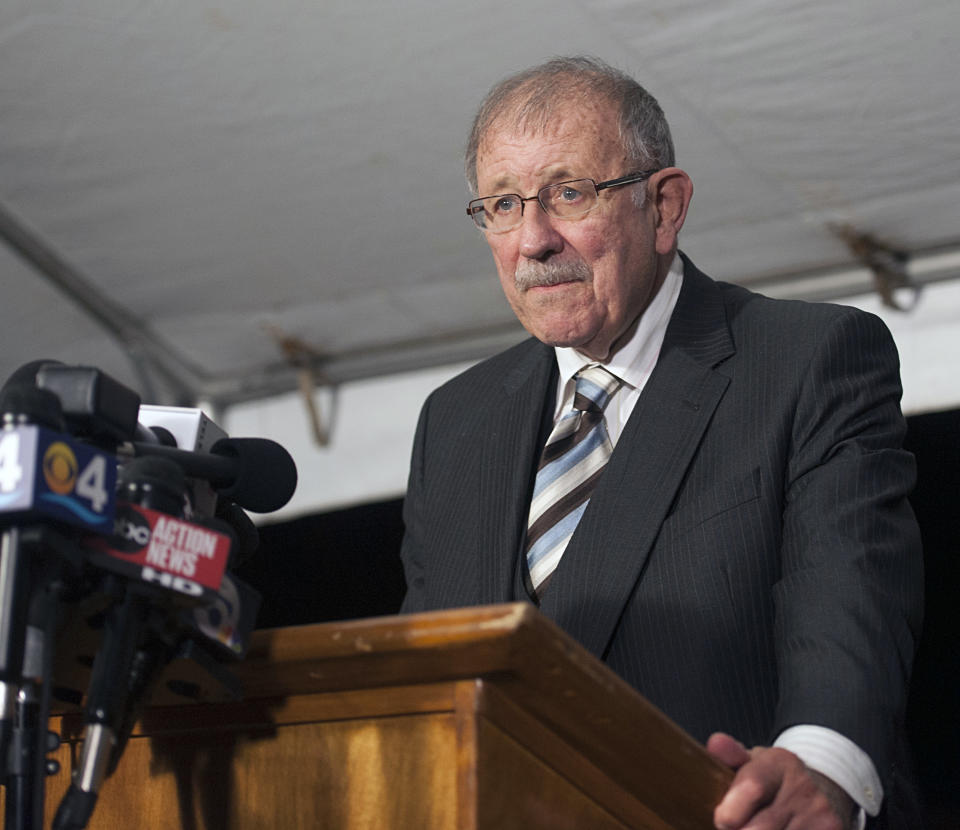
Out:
{"x": 538, "y": 236}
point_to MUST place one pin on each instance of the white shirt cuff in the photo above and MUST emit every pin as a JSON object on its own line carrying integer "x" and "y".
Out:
{"x": 840, "y": 759}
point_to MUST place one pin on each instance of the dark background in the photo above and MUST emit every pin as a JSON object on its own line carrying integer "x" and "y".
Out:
{"x": 345, "y": 564}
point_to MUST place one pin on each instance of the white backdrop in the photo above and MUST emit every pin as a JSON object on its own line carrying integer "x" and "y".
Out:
{"x": 368, "y": 457}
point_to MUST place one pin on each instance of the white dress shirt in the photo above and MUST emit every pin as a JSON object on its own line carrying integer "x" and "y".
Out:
{"x": 824, "y": 750}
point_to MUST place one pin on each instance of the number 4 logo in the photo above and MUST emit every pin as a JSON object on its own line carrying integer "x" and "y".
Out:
{"x": 11, "y": 471}
{"x": 91, "y": 484}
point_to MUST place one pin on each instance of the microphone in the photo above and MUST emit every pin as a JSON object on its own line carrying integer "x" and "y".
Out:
{"x": 177, "y": 426}
{"x": 152, "y": 544}
{"x": 264, "y": 476}
{"x": 47, "y": 480}
{"x": 188, "y": 560}
{"x": 95, "y": 406}
{"x": 46, "y": 474}
{"x": 166, "y": 561}
{"x": 161, "y": 576}
{"x": 105, "y": 709}
{"x": 159, "y": 484}
{"x": 256, "y": 473}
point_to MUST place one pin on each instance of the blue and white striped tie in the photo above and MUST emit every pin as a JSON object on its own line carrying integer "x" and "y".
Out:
{"x": 572, "y": 461}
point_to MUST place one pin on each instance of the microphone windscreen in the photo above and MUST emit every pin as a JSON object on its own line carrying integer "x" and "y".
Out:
{"x": 266, "y": 476}
{"x": 94, "y": 404}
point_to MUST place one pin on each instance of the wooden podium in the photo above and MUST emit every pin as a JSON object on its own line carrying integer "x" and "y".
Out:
{"x": 471, "y": 719}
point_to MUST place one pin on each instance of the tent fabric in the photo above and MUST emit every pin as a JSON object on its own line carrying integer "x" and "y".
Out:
{"x": 258, "y": 180}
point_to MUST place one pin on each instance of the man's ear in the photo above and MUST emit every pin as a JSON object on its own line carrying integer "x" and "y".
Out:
{"x": 671, "y": 190}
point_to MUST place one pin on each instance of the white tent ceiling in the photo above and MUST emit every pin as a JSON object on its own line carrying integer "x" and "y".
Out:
{"x": 199, "y": 196}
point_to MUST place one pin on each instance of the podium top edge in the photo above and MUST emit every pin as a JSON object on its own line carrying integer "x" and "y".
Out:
{"x": 409, "y": 632}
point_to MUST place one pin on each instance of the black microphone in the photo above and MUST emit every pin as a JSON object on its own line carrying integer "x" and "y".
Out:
{"x": 107, "y": 702}
{"x": 153, "y": 544}
{"x": 95, "y": 406}
{"x": 130, "y": 655}
{"x": 21, "y": 404}
{"x": 49, "y": 483}
{"x": 256, "y": 473}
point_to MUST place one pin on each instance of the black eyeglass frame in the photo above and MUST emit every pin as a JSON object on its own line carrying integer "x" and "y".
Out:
{"x": 475, "y": 206}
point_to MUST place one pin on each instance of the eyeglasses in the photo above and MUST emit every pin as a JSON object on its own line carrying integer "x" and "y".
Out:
{"x": 564, "y": 200}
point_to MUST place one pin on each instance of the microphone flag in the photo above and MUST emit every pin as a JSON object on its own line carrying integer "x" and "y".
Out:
{"x": 150, "y": 546}
{"x": 44, "y": 474}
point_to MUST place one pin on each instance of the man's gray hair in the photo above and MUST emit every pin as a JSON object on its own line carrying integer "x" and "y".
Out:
{"x": 531, "y": 99}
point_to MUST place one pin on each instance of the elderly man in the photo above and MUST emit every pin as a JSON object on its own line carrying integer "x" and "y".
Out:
{"x": 704, "y": 486}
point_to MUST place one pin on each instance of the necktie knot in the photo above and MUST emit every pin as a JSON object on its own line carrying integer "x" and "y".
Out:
{"x": 595, "y": 386}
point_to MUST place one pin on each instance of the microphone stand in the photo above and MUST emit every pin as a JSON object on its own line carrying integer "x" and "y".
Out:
{"x": 41, "y": 557}
{"x": 107, "y": 702}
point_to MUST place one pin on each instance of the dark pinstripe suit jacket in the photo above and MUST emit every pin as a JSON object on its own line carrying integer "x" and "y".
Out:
{"x": 748, "y": 561}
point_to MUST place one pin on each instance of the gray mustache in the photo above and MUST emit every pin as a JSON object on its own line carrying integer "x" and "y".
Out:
{"x": 533, "y": 274}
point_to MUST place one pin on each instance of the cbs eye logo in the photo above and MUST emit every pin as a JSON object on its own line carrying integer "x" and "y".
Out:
{"x": 60, "y": 468}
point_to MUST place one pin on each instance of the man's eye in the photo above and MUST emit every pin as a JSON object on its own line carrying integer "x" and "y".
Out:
{"x": 505, "y": 204}
{"x": 570, "y": 194}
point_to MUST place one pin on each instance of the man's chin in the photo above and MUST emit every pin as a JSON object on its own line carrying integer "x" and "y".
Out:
{"x": 591, "y": 342}
{"x": 563, "y": 338}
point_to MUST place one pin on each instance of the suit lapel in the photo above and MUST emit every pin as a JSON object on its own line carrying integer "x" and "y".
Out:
{"x": 606, "y": 556}
{"x": 506, "y": 469}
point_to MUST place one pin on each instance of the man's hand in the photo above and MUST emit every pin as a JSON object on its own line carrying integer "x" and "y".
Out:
{"x": 774, "y": 790}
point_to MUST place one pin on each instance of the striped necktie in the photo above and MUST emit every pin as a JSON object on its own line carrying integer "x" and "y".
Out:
{"x": 572, "y": 461}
